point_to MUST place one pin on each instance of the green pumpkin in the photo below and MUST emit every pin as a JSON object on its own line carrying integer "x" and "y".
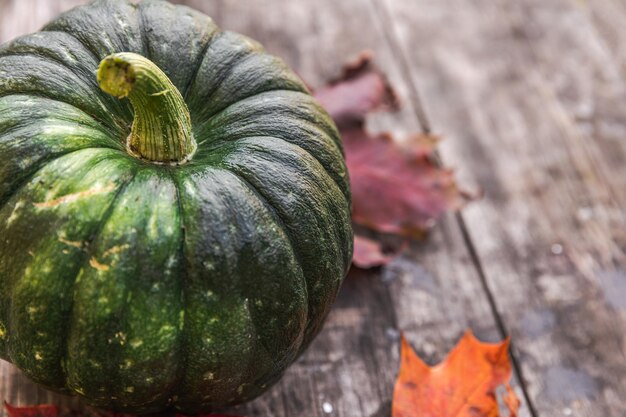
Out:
{"x": 176, "y": 249}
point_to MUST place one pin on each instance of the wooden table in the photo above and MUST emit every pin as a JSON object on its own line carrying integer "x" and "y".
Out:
{"x": 531, "y": 98}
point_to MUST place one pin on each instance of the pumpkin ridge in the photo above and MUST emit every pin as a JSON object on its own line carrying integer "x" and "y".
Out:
{"x": 183, "y": 29}
{"x": 224, "y": 142}
{"x": 276, "y": 152}
{"x": 99, "y": 127}
{"x": 182, "y": 363}
{"x": 256, "y": 94}
{"x": 281, "y": 224}
{"x": 59, "y": 25}
{"x": 327, "y": 127}
{"x": 261, "y": 342}
{"x": 12, "y": 52}
{"x": 52, "y": 374}
{"x": 25, "y": 127}
{"x": 199, "y": 62}
{"x": 86, "y": 78}
{"x": 218, "y": 111}
{"x": 268, "y": 204}
{"x": 330, "y": 128}
{"x": 87, "y": 255}
{"x": 141, "y": 24}
{"x": 48, "y": 97}
{"x": 16, "y": 133}
{"x": 218, "y": 81}
{"x": 94, "y": 12}
{"x": 41, "y": 165}
{"x": 342, "y": 186}
{"x": 70, "y": 34}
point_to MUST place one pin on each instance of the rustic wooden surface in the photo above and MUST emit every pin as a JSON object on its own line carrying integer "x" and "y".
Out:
{"x": 531, "y": 97}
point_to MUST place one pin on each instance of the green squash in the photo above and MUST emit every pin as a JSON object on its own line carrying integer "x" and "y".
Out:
{"x": 177, "y": 249}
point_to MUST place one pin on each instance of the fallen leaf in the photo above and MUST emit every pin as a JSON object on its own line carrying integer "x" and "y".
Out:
{"x": 464, "y": 385}
{"x": 369, "y": 253}
{"x": 359, "y": 90}
{"x": 44, "y": 410}
{"x": 396, "y": 191}
{"x": 397, "y": 187}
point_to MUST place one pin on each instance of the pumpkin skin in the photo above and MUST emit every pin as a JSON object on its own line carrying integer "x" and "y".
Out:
{"x": 144, "y": 287}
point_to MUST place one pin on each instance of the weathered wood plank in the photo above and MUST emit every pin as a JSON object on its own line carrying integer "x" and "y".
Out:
{"x": 527, "y": 95}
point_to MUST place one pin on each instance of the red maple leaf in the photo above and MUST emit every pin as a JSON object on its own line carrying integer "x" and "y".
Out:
{"x": 397, "y": 187}
{"x": 369, "y": 253}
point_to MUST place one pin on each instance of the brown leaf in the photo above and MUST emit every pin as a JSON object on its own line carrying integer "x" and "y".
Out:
{"x": 369, "y": 253}
{"x": 396, "y": 190}
{"x": 463, "y": 385}
{"x": 397, "y": 187}
{"x": 359, "y": 90}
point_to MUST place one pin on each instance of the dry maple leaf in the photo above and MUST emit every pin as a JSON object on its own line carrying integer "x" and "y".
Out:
{"x": 369, "y": 253}
{"x": 394, "y": 191}
{"x": 359, "y": 90}
{"x": 397, "y": 188}
{"x": 463, "y": 385}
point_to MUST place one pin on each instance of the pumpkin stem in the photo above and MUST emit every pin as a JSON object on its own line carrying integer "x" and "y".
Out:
{"x": 161, "y": 130}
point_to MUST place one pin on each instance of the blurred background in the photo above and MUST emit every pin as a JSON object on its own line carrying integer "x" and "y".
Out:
{"x": 530, "y": 98}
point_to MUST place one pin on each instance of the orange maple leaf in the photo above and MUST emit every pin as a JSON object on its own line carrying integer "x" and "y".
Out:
{"x": 463, "y": 385}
